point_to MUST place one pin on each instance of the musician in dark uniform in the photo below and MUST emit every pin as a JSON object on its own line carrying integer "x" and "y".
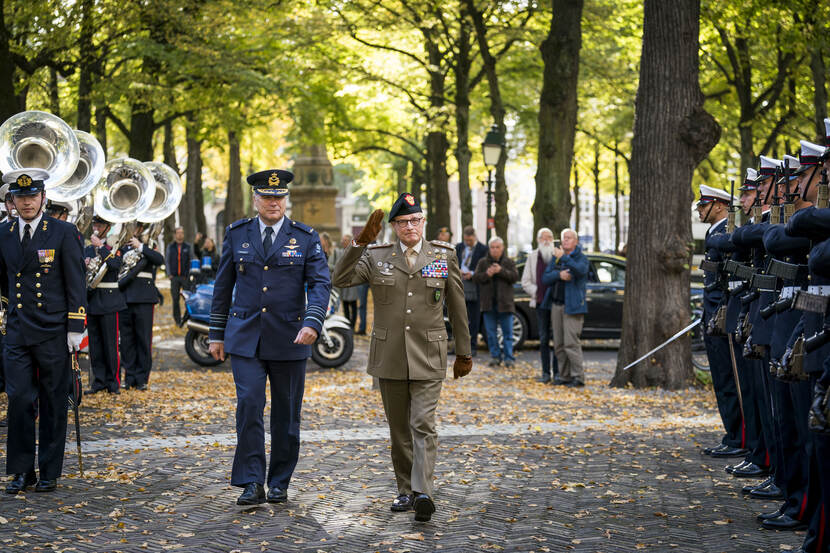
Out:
{"x": 135, "y": 323}
{"x": 41, "y": 259}
{"x": 105, "y": 303}
{"x": 4, "y": 190}
{"x": 282, "y": 292}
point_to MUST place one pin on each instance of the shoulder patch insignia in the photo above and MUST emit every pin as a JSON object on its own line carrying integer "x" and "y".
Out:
{"x": 442, "y": 244}
{"x": 375, "y": 246}
{"x": 240, "y": 222}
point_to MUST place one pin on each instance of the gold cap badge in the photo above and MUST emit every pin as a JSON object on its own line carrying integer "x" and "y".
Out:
{"x": 24, "y": 181}
{"x": 273, "y": 180}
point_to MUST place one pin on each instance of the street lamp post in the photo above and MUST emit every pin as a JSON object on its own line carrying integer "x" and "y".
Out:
{"x": 491, "y": 149}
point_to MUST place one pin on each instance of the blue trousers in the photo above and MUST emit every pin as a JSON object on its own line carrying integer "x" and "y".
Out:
{"x": 287, "y": 380}
{"x": 545, "y": 351}
{"x": 726, "y": 392}
{"x": 492, "y": 320}
{"x": 362, "y": 298}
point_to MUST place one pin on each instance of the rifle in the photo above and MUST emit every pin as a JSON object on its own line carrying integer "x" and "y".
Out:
{"x": 730, "y": 218}
{"x": 789, "y": 198}
{"x": 775, "y": 208}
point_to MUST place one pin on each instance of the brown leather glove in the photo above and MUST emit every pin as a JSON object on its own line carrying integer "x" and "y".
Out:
{"x": 371, "y": 230}
{"x": 462, "y": 366}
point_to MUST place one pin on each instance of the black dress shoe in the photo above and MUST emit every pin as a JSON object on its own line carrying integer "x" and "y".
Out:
{"x": 46, "y": 485}
{"x": 784, "y": 522}
{"x": 543, "y": 379}
{"x": 276, "y": 495}
{"x": 746, "y": 490}
{"x": 750, "y": 470}
{"x": 766, "y": 516}
{"x": 767, "y": 492}
{"x": 402, "y": 503}
{"x": 20, "y": 482}
{"x": 560, "y": 382}
{"x": 424, "y": 507}
{"x": 729, "y": 451}
{"x": 4, "y": 422}
{"x": 731, "y": 468}
{"x": 575, "y": 384}
{"x": 254, "y": 494}
{"x": 114, "y": 392}
{"x": 142, "y": 387}
{"x": 709, "y": 450}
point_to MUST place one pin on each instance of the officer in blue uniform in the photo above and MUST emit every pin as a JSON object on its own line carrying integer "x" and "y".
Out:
{"x": 135, "y": 323}
{"x": 4, "y": 191}
{"x": 282, "y": 283}
{"x": 42, "y": 260}
{"x": 105, "y": 303}
{"x": 712, "y": 209}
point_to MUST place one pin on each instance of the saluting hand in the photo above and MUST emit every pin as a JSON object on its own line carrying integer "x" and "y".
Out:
{"x": 306, "y": 336}
{"x": 371, "y": 230}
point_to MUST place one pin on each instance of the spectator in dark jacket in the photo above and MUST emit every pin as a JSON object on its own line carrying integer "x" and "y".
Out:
{"x": 567, "y": 276}
{"x": 495, "y": 275}
{"x": 178, "y": 267}
{"x": 469, "y": 252}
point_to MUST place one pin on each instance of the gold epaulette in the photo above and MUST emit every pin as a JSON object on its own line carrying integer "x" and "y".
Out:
{"x": 442, "y": 244}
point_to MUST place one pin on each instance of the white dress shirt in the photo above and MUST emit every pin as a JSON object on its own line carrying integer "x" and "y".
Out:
{"x": 276, "y": 226}
{"x": 32, "y": 225}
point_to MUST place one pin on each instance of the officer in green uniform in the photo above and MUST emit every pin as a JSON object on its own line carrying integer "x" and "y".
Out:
{"x": 410, "y": 281}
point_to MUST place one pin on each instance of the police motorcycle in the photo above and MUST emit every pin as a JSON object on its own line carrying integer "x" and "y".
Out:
{"x": 332, "y": 349}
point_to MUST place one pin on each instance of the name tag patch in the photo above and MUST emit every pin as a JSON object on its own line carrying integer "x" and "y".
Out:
{"x": 436, "y": 269}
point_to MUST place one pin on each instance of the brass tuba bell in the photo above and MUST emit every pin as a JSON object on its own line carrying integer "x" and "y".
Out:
{"x": 40, "y": 140}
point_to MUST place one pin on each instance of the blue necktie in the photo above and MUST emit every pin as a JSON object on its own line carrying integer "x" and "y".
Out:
{"x": 27, "y": 236}
{"x": 266, "y": 244}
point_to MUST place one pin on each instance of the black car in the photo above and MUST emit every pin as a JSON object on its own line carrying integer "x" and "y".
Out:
{"x": 605, "y": 292}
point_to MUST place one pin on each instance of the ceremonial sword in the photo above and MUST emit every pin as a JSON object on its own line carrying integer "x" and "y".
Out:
{"x": 664, "y": 344}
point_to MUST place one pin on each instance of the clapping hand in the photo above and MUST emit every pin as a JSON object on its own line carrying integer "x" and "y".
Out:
{"x": 493, "y": 269}
{"x": 565, "y": 275}
{"x": 135, "y": 243}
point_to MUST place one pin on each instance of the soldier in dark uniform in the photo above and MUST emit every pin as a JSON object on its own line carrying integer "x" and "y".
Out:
{"x": 712, "y": 209}
{"x": 41, "y": 259}
{"x": 135, "y": 323}
{"x": 753, "y": 438}
{"x": 282, "y": 283}
{"x": 105, "y": 303}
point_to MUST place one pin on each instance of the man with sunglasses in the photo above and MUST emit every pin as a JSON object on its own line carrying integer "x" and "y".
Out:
{"x": 410, "y": 281}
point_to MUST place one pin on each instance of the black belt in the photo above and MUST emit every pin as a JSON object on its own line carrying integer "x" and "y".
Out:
{"x": 788, "y": 271}
{"x": 729, "y": 266}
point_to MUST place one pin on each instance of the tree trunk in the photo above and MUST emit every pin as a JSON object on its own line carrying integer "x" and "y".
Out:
{"x": 438, "y": 194}
{"x": 169, "y": 153}
{"x": 577, "y": 211}
{"x": 233, "y": 199}
{"x": 101, "y": 126}
{"x": 596, "y": 198}
{"x": 141, "y": 131}
{"x": 8, "y": 101}
{"x": 672, "y": 134}
{"x": 54, "y": 93}
{"x": 193, "y": 184}
{"x": 819, "y": 70}
{"x": 557, "y": 116}
{"x": 400, "y": 173}
{"x": 462, "y": 120}
{"x": 501, "y": 196}
{"x": 617, "y": 238}
{"x": 85, "y": 60}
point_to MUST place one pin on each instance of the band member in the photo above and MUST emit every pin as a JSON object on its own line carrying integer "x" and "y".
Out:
{"x": 4, "y": 190}
{"x": 105, "y": 303}
{"x": 269, "y": 303}
{"x": 41, "y": 259}
{"x": 135, "y": 323}
{"x": 58, "y": 210}
{"x": 410, "y": 281}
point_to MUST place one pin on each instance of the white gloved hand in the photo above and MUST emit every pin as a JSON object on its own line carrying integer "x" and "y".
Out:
{"x": 73, "y": 340}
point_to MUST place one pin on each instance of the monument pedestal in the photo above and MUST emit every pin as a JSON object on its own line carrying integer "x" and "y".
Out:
{"x": 314, "y": 206}
{"x": 312, "y": 194}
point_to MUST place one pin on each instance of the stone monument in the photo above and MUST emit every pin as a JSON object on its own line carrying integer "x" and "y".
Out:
{"x": 313, "y": 192}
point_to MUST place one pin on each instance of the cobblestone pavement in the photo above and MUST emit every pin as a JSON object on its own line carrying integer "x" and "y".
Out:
{"x": 521, "y": 467}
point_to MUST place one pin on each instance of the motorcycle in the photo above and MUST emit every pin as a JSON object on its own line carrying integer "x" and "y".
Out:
{"x": 332, "y": 349}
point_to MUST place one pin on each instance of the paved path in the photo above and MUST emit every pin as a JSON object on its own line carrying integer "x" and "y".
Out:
{"x": 521, "y": 467}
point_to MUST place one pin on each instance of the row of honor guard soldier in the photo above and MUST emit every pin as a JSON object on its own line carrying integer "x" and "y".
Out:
{"x": 270, "y": 299}
{"x": 411, "y": 280}
{"x": 44, "y": 280}
{"x": 770, "y": 275}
